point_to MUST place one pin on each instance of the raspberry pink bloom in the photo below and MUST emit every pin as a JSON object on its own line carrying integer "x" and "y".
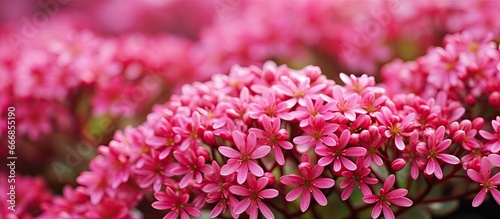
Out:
{"x": 432, "y": 152}
{"x": 254, "y": 193}
{"x": 310, "y": 109}
{"x": 242, "y": 160}
{"x": 318, "y": 132}
{"x": 191, "y": 166}
{"x": 96, "y": 184}
{"x": 346, "y": 103}
{"x": 494, "y": 139}
{"x": 395, "y": 126}
{"x": 273, "y": 136}
{"x": 163, "y": 137}
{"x": 217, "y": 189}
{"x": 359, "y": 176}
{"x": 338, "y": 154}
{"x": 388, "y": 198}
{"x": 488, "y": 183}
{"x": 270, "y": 107}
{"x": 307, "y": 183}
{"x": 371, "y": 139}
{"x": 297, "y": 92}
{"x": 152, "y": 170}
{"x": 176, "y": 202}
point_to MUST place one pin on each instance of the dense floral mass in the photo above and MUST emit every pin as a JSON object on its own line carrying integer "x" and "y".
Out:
{"x": 264, "y": 140}
{"x": 258, "y": 138}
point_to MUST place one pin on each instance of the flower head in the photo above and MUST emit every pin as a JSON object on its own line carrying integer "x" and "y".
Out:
{"x": 242, "y": 161}
{"x": 308, "y": 184}
{"x": 387, "y": 198}
{"x": 253, "y": 193}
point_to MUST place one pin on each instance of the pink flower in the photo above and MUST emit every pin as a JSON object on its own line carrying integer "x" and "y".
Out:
{"x": 302, "y": 113}
{"x": 307, "y": 183}
{"x": 488, "y": 183}
{"x": 387, "y": 198}
{"x": 117, "y": 164}
{"x": 347, "y": 104}
{"x": 190, "y": 130}
{"x": 108, "y": 208}
{"x": 151, "y": 170}
{"x": 176, "y": 202}
{"x": 96, "y": 184}
{"x": 318, "y": 132}
{"x": 217, "y": 189}
{"x": 273, "y": 136}
{"x": 494, "y": 139}
{"x": 254, "y": 192}
{"x": 270, "y": 107}
{"x": 297, "y": 87}
{"x": 338, "y": 153}
{"x": 371, "y": 139}
{"x": 410, "y": 153}
{"x": 444, "y": 67}
{"x": 432, "y": 152}
{"x": 242, "y": 160}
{"x": 163, "y": 138}
{"x": 357, "y": 84}
{"x": 359, "y": 176}
{"x": 395, "y": 126}
{"x": 191, "y": 166}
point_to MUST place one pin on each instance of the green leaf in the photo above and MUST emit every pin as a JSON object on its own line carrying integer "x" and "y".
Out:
{"x": 443, "y": 208}
{"x": 416, "y": 213}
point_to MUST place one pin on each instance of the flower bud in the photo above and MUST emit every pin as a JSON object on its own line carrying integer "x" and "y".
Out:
{"x": 478, "y": 123}
{"x": 454, "y": 127}
{"x": 470, "y": 100}
{"x": 305, "y": 158}
{"x": 209, "y": 138}
{"x": 272, "y": 179}
{"x": 466, "y": 125}
{"x": 354, "y": 140}
{"x": 459, "y": 136}
{"x": 398, "y": 164}
{"x": 494, "y": 98}
{"x": 201, "y": 151}
{"x": 362, "y": 121}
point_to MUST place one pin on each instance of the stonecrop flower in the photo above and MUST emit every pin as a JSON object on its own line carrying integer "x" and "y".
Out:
{"x": 358, "y": 176}
{"x": 237, "y": 145}
{"x": 253, "y": 193}
{"x": 386, "y": 198}
{"x": 396, "y": 127}
{"x": 485, "y": 180}
{"x": 176, "y": 203}
{"x": 494, "y": 138}
{"x": 273, "y": 136}
{"x": 242, "y": 161}
{"x": 308, "y": 184}
{"x": 338, "y": 154}
{"x": 432, "y": 151}
{"x": 318, "y": 133}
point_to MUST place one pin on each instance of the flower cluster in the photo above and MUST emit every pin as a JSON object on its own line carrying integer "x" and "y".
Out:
{"x": 258, "y": 139}
{"x": 83, "y": 53}
{"x": 463, "y": 68}
{"x": 27, "y": 196}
